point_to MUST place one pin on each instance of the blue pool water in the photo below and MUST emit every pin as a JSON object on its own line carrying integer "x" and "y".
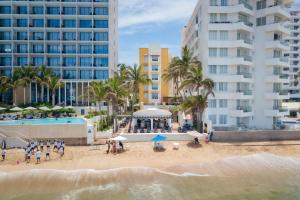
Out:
{"x": 47, "y": 121}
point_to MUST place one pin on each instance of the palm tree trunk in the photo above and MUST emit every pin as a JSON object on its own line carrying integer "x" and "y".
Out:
{"x": 42, "y": 95}
{"x": 30, "y": 97}
{"x": 53, "y": 98}
{"x": 24, "y": 100}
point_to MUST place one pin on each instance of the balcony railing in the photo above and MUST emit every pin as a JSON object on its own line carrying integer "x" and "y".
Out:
{"x": 229, "y": 22}
{"x": 245, "y": 109}
{"x": 281, "y": 92}
{"x": 246, "y": 75}
{"x": 246, "y": 4}
{"x": 246, "y": 58}
{"x": 245, "y": 92}
{"x": 280, "y": 109}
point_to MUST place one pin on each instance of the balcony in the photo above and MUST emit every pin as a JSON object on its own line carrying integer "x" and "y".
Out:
{"x": 280, "y": 95}
{"x": 280, "y": 61}
{"x": 277, "y": 112}
{"x": 239, "y": 43}
{"x": 242, "y": 7}
{"x": 277, "y": 10}
{"x": 231, "y": 26}
{"x": 238, "y": 60}
{"x": 278, "y": 27}
{"x": 277, "y": 44}
{"x": 233, "y": 78}
{"x": 277, "y": 78}
{"x": 244, "y": 111}
{"x": 238, "y": 94}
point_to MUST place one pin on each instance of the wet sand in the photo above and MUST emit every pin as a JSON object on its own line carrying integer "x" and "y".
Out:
{"x": 142, "y": 155}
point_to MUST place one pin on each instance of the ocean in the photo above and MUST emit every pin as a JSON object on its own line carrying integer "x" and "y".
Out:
{"x": 255, "y": 177}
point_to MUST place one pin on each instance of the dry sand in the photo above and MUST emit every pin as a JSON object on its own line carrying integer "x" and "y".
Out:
{"x": 142, "y": 155}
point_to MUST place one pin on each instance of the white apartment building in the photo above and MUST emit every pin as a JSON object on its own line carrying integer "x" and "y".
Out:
{"x": 241, "y": 46}
{"x": 294, "y": 54}
{"x": 78, "y": 39}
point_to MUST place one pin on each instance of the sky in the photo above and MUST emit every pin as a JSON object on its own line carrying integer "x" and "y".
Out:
{"x": 144, "y": 22}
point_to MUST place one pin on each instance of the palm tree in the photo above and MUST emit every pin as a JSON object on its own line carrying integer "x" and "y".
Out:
{"x": 178, "y": 68}
{"x": 4, "y": 85}
{"x": 43, "y": 74}
{"x": 98, "y": 92}
{"x": 116, "y": 91}
{"x": 54, "y": 83}
{"x": 26, "y": 76}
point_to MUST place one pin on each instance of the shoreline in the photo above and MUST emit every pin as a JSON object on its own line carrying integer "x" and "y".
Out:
{"x": 142, "y": 155}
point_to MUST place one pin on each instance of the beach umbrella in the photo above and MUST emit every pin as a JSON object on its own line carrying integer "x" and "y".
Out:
{"x": 119, "y": 138}
{"x": 159, "y": 138}
{"x": 1, "y": 108}
{"x": 17, "y": 109}
{"x": 30, "y": 108}
{"x": 57, "y": 108}
{"x": 69, "y": 107}
{"x": 44, "y": 108}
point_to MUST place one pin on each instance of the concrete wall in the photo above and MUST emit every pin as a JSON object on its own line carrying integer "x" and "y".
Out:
{"x": 256, "y": 136}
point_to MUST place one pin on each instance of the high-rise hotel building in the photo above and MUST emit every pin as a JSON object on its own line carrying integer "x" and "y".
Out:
{"x": 241, "y": 44}
{"x": 294, "y": 54}
{"x": 78, "y": 39}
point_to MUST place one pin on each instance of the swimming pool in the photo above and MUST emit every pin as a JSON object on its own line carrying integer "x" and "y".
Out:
{"x": 47, "y": 121}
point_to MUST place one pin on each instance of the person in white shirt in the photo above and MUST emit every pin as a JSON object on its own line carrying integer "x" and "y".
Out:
{"x": 55, "y": 145}
{"x": 61, "y": 151}
{"x": 3, "y": 154}
{"x": 48, "y": 153}
{"x": 38, "y": 156}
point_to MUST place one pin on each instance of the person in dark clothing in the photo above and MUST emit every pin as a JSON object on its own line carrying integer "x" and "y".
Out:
{"x": 121, "y": 145}
{"x": 196, "y": 140}
{"x": 108, "y": 146}
{"x": 210, "y": 136}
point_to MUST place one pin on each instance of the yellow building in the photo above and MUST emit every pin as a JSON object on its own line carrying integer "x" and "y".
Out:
{"x": 154, "y": 61}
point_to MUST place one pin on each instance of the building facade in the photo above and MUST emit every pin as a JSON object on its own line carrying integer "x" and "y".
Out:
{"x": 294, "y": 54}
{"x": 241, "y": 44}
{"x": 78, "y": 39}
{"x": 154, "y": 62}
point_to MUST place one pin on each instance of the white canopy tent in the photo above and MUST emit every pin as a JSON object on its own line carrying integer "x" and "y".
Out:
{"x": 119, "y": 138}
{"x": 151, "y": 114}
{"x": 16, "y": 109}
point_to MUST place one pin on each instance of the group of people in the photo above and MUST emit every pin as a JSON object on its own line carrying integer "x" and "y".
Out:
{"x": 114, "y": 148}
{"x": 36, "y": 148}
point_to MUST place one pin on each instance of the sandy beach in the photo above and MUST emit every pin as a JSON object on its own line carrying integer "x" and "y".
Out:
{"x": 142, "y": 155}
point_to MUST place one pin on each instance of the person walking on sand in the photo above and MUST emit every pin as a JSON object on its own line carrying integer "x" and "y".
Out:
{"x": 48, "y": 144}
{"x": 108, "y": 146}
{"x": 42, "y": 145}
{"x": 38, "y": 156}
{"x": 48, "y": 153}
{"x": 3, "y": 154}
{"x": 55, "y": 145}
{"x": 61, "y": 152}
{"x": 28, "y": 155}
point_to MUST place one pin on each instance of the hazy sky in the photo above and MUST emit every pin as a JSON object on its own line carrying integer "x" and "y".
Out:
{"x": 143, "y": 22}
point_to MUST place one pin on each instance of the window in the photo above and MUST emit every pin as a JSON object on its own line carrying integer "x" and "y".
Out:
{"x": 22, "y": 10}
{"x": 212, "y": 52}
{"x": 53, "y": 36}
{"x": 101, "y": 49}
{"x": 101, "y": 75}
{"x": 213, "y": 119}
{"x": 213, "y": 17}
{"x": 69, "y": 10}
{"x": 154, "y": 96}
{"x": 213, "y": 3}
{"x": 38, "y": 36}
{"x": 224, "y": 2}
{"x": 222, "y": 87}
{"x": 38, "y": 10}
{"x": 223, "y": 17}
{"x": 69, "y": 74}
{"x": 22, "y": 36}
{"x": 223, "y": 103}
{"x": 53, "y": 11}
{"x": 70, "y": 49}
{"x": 54, "y": 61}
{"x": 212, "y": 69}
{"x": 213, "y": 35}
{"x": 154, "y": 77}
{"x": 85, "y": 74}
{"x": 101, "y": 62}
{"x": 5, "y": 10}
{"x": 85, "y": 11}
{"x": 5, "y": 35}
{"x": 38, "y": 23}
{"x": 69, "y": 61}
{"x": 155, "y": 67}
{"x": 22, "y": 61}
{"x": 53, "y": 49}
{"x": 5, "y": 48}
{"x": 154, "y": 87}
{"x": 103, "y": 36}
{"x": 22, "y": 48}
{"x": 101, "y": 11}
{"x": 212, "y": 103}
{"x": 38, "y": 61}
{"x": 38, "y": 48}
{"x": 85, "y": 49}
{"x": 22, "y": 23}
{"x": 5, "y": 61}
{"x": 223, "y": 52}
{"x": 223, "y": 35}
{"x": 85, "y": 36}
{"x": 223, "y": 119}
{"x": 5, "y": 23}
{"x": 85, "y": 23}
{"x": 85, "y": 62}
{"x": 261, "y": 4}
{"x": 69, "y": 23}
{"x": 53, "y": 23}
{"x": 261, "y": 21}
{"x": 155, "y": 58}
{"x": 223, "y": 69}
{"x": 101, "y": 23}
{"x": 69, "y": 36}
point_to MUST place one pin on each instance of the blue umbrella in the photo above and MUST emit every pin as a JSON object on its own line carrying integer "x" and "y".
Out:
{"x": 159, "y": 138}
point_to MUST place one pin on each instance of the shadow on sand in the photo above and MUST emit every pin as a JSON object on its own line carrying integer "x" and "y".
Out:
{"x": 193, "y": 145}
